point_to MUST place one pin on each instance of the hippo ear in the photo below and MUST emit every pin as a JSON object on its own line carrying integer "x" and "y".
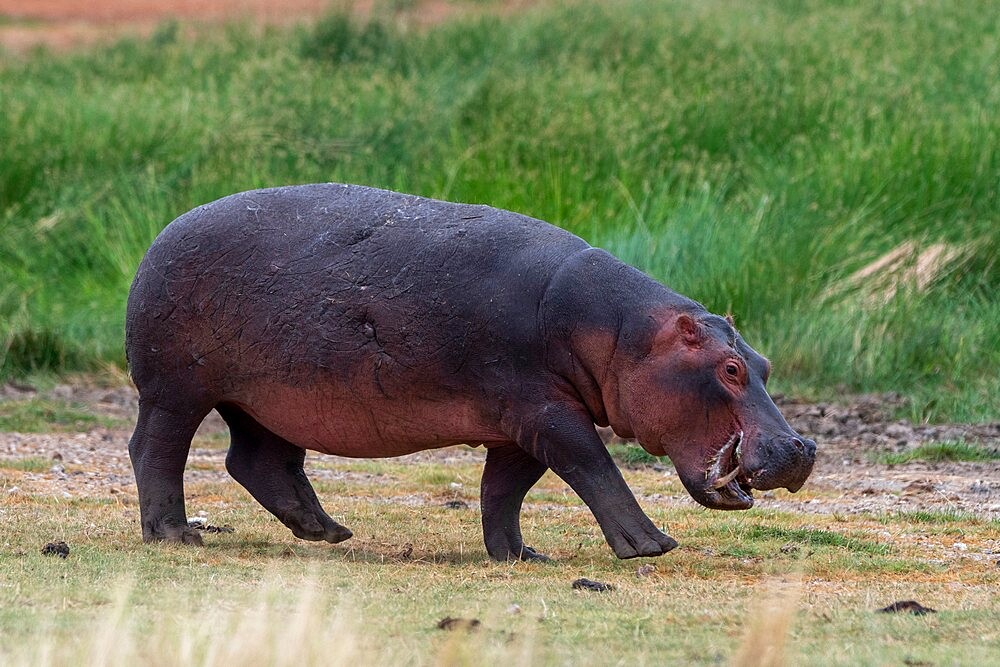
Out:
{"x": 690, "y": 330}
{"x": 730, "y": 321}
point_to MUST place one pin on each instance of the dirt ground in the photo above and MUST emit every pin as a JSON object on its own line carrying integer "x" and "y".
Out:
{"x": 846, "y": 480}
{"x": 63, "y": 25}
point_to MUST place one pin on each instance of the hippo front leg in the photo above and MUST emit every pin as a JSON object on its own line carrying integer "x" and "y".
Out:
{"x": 565, "y": 440}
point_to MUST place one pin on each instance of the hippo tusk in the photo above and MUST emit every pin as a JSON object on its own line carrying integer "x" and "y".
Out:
{"x": 722, "y": 481}
{"x": 715, "y": 469}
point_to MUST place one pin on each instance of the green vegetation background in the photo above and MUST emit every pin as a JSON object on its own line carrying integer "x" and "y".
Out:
{"x": 750, "y": 155}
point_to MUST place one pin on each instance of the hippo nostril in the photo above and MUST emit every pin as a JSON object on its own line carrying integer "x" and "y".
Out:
{"x": 799, "y": 445}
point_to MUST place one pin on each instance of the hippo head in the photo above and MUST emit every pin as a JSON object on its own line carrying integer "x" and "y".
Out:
{"x": 696, "y": 394}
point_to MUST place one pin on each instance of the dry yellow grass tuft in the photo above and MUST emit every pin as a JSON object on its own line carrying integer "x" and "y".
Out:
{"x": 908, "y": 265}
{"x": 766, "y": 635}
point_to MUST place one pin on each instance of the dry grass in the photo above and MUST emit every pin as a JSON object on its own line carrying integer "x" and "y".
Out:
{"x": 762, "y": 587}
{"x": 907, "y": 266}
{"x": 766, "y": 635}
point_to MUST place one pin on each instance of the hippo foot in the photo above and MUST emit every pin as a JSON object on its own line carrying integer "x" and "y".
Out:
{"x": 650, "y": 543}
{"x": 525, "y": 553}
{"x": 528, "y": 554}
{"x": 333, "y": 536}
{"x": 318, "y": 529}
{"x": 173, "y": 534}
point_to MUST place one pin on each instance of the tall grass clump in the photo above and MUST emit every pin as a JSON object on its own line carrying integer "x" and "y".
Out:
{"x": 827, "y": 172}
{"x": 939, "y": 452}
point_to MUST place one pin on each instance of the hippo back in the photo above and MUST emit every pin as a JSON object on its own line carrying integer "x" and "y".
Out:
{"x": 346, "y": 286}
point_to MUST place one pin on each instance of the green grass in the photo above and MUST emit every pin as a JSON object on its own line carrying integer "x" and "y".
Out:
{"x": 42, "y": 415}
{"x": 30, "y": 464}
{"x": 753, "y": 156}
{"x": 634, "y": 455}
{"x": 937, "y": 452}
{"x": 947, "y": 518}
{"x": 809, "y": 537}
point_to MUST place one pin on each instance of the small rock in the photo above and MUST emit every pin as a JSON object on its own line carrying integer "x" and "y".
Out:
{"x": 960, "y": 546}
{"x": 918, "y": 487}
{"x": 953, "y": 434}
{"x": 583, "y": 584}
{"x": 59, "y": 548}
{"x": 57, "y": 457}
{"x": 979, "y": 486}
{"x": 455, "y": 485}
{"x": 898, "y": 431}
{"x": 645, "y": 570}
{"x": 62, "y": 391}
{"x": 911, "y": 606}
{"x": 456, "y": 504}
{"x": 514, "y": 609}
{"x": 200, "y": 523}
{"x": 789, "y": 548}
{"x": 22, "y": 387}
{"x": 467, "y": 624}
{"x": 14, "y": 489}
{"x": 57, "y": 469}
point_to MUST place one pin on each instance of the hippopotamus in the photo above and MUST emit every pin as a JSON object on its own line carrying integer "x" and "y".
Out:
{"x": 360, "y": 322}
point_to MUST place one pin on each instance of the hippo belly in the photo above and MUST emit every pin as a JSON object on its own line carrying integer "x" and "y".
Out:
{"x": 320, "y": 420}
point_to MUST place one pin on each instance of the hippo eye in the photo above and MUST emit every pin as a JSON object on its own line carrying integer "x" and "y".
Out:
{"x": 732, "y": 370}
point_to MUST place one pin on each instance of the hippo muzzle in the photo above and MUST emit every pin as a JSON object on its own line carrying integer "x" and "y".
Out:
{"x": 743, "y": 463}
{"x": 784, "y": 461}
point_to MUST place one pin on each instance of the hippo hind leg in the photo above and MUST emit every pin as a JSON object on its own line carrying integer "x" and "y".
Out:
{"x": 509, "y": 473}
{"x": 158, "y": 451}
{"x": 270, "y": 468}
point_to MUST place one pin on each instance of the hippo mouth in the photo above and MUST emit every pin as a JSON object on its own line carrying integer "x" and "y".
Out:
{"x": 726, "y": 486}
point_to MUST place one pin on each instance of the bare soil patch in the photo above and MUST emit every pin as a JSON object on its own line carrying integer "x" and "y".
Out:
{"x": 64, "y": 25}
{"x": 853, "y": 434}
